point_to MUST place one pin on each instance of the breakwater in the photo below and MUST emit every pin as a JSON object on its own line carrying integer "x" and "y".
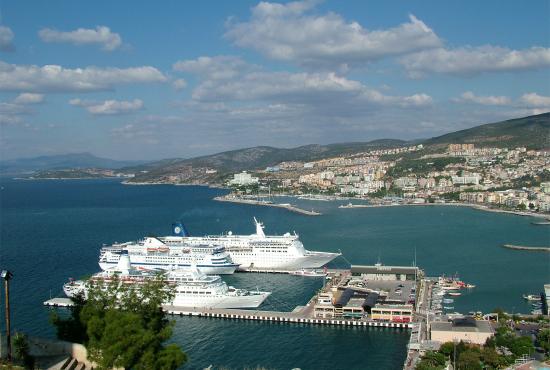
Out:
{"x": 286, "y": 206}
{"x": 526, "y": 248}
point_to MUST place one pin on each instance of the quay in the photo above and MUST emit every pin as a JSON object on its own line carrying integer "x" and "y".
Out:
{"x": 287, "y": 206}
{"x": 298, "y": 316}
{"x": 525, "y": 248}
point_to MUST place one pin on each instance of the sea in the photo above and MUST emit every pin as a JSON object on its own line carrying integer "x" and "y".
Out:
{"x": 51, "y": 230}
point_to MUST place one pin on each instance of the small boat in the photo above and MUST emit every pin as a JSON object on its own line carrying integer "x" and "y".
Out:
{"x": 470, "y": 286}
{"x": 454, "y": 294}
{"x": 531, "y": 297}
{"x": 448, "y": 300}
{"x": 304, "y": 272}
{"x": 448, "y": 307}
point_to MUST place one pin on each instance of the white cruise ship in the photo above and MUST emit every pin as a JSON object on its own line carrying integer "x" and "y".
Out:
{"x": 192, "y": 287}
{"x": 258, "y": 251}
{"x": 153, "y": 253}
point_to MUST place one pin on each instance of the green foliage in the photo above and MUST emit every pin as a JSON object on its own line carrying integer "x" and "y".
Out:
{"x": 451, "y": 196}
{"x": 421, "y": 167}
{"x": 543, "y": 339}
{"x": 470, "y": 359}
{"x": 447, "y": 348}
{"x": 123, "y": 326}
{"x": 531, "y": 132}
{"x": 431, "y": 361}
{"x": 21, "y": 351}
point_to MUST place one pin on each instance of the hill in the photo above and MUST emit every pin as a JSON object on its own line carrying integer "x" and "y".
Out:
{"x": 532, "y": 132}
{"x": 63, "y": 161}
{"x": 253, "y": 158}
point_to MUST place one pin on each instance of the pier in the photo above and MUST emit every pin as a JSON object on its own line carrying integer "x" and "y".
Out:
{"x": 299, "y": 315}
{"x": 526, "y": 248}
{"x": 289, "y": 207}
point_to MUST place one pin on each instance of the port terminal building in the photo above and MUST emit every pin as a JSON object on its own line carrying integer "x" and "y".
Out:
{"x": 382, "y": 272}
{"x": 466, "y": 329}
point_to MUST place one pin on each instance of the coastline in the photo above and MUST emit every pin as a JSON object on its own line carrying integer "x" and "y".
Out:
{"x": 331, "y": 198}
{"x": 471, "y": 205}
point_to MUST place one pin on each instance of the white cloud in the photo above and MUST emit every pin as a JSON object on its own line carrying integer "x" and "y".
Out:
{"x": 226, "y": 80}
{"x": 470, "y": 97}
{"x": 535, "y": 100}
{"x": 29, "y": 98}
{"x": 6, "y": 39}
{"x": 108, "y": 107}
{"x": 179, "y": 84}
{"x": 217, "y": 67}
{"x": 475, "y": 60}
{"x": 286, "y": 32}
{"x": 55, "y": 78}
{"x": 101, "y": 35}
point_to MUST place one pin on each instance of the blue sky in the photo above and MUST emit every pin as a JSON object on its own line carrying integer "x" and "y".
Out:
{"x": 151, "y": 80}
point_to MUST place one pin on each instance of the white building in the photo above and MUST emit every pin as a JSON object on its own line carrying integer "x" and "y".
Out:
{"x": 243, "y": 178}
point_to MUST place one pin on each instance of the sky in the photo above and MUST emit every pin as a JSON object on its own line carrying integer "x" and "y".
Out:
{"x": 164, "y": 79}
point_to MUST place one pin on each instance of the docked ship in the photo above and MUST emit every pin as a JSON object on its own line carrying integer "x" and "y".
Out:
{"x": 192, "y": 287}
{"x": 257, "y": 251}
{"x": 154, "y": 253}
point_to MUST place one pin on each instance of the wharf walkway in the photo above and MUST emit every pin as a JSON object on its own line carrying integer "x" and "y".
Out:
{"x": 286, "y": 206}
{"x": 525, "y": 248}
{"x": 297, "y": 316}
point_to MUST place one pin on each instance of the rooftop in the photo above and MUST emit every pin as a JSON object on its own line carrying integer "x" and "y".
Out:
{"x": 381, "y": 269}
{"x": 463, "y": 325}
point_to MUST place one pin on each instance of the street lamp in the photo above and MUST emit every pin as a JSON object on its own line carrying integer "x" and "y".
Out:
{"x": 6, "y": 275}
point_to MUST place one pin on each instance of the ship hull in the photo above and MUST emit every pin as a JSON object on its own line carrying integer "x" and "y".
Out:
{"x": 311, "y": 260}
{"x": 206, "y": 269}
{"x": 248, "y": 301}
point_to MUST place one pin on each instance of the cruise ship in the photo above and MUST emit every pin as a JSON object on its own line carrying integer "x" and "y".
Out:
{"x": 154, "y": 253}
{"x": 257, "y": 251}
{"x": 192, "y": 287}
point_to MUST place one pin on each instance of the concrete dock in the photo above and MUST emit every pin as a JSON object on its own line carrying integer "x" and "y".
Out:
{"x": 299, "y": 315}
{"x": 286, "y": 206}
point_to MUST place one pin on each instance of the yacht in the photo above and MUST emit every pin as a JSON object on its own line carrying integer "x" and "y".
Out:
{"x": 192, "y": 287}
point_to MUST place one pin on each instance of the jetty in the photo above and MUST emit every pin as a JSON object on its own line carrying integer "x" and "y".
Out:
{"x": 526, "y": 248}
{"x": 287, "y": 206}
{"x": 300, "y": 315}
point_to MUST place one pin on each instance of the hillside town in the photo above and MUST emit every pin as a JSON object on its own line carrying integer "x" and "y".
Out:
{"x": 508, "y": 178}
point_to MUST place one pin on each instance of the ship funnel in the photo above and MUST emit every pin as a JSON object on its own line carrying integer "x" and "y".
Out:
{"x": 179, "y": 229}
{"x": 259, "y": 228}
{"x": 124, "y": 264}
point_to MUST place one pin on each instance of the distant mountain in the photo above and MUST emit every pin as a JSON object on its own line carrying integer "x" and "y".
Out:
{"x": 532, "y": 132}
{"x": 63, "y": 161}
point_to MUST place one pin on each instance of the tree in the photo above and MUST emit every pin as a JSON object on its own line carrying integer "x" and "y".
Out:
{"x": 431, "y": 360}
{"x": 447, "y": 348}
{"x": 543, "y": 339}
{"x": 469, "y": 360}
{"x": 521, "y": 346}
{"x": 125, "y": 325}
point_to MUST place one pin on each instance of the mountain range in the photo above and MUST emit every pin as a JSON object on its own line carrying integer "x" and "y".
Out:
{"x": 59, "y": 162}
{"x": 532, "y": 132}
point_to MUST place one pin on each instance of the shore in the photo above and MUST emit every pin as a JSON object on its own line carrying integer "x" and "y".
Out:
{"x": 475, "y": 206}
{"x": 286, "y": 206}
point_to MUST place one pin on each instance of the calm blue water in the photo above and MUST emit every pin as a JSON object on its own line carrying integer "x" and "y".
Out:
{"x": 52, "y": 230}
